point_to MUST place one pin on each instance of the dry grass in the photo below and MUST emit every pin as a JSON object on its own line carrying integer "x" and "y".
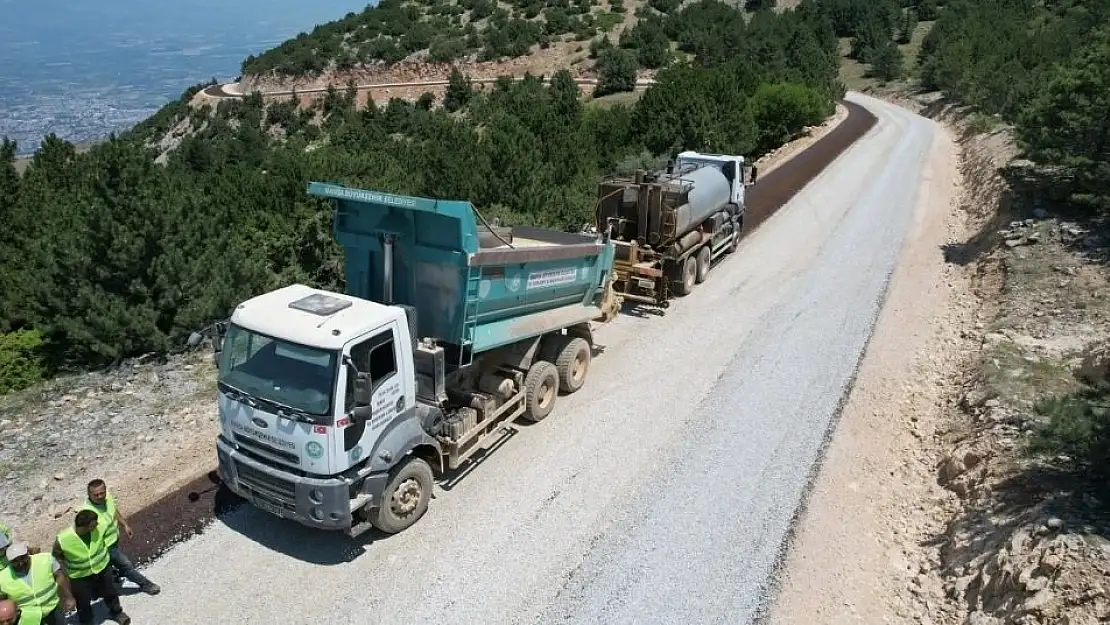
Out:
{"x": 627, "y": 98}
{"x": 854, "y": 74}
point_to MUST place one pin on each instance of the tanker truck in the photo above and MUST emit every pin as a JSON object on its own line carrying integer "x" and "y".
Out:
{"x": 339, "y": 410}
{"x": 670, "y": 226}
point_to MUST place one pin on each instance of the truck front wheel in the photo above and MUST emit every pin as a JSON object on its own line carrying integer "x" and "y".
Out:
{"x": 704, "y": 260}
{"x": 739, "y": 232}
{"x": 541, "y": 386}
{"x": 405, "y": 498}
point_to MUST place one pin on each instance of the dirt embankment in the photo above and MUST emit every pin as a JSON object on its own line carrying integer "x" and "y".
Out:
{"x": 146, "y": 427}
{"x": 932, "y": 507}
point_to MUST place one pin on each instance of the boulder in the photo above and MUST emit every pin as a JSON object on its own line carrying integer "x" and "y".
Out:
{"x": 1095, "y": 367}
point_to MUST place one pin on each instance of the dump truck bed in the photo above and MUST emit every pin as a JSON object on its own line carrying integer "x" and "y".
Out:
{"x": 472, "y": 291}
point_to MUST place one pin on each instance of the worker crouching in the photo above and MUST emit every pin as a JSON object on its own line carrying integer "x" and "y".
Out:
{"x": 83, "y": 551}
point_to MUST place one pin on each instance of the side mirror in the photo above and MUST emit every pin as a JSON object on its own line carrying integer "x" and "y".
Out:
{"x": 362, "y": 389}
{"x": 360, "y": 411}
{"x": 750, "y": 175}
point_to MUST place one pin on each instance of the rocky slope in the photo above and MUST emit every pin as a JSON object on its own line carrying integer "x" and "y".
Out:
{"x": 1022, "y": 536}
{"x": 142, "y": 426}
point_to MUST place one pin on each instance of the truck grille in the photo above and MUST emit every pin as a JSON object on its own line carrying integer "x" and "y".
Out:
{"x": 260, "y": 447}
{"x": 275, "y": 487}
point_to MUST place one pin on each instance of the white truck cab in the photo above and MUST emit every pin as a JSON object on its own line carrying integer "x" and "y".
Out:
{"x": 739, "y": 173}
{"x": 295, "y": 425}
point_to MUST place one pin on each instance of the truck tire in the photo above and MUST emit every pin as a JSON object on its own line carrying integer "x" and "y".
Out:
{"x": 736, "y": 235}
{"x": 687, "y": 273}
{"x": 704, "y": 259}
{"x": 541, "y": 387}
{"x": 405, "y": 498}
{"x": 572, "y": 364}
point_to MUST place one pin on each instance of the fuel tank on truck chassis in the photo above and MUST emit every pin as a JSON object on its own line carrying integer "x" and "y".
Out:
{"x": 658, "y": 209}
{"x": 469, "y": 288}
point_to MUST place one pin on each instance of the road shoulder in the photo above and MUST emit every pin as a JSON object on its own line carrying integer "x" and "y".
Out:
{"x": 855, "y": 554}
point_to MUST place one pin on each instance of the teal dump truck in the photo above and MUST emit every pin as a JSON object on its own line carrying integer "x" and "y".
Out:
{"x": 340, "y": 410}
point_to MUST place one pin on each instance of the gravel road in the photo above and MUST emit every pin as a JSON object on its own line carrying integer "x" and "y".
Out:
{"x": 662, "y": 492}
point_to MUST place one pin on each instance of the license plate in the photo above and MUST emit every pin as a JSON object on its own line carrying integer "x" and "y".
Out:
{"x": 271, "y": 507}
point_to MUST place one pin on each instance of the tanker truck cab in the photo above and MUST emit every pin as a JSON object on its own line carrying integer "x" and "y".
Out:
{"x": 739, "y": 173}
{"x": 316, "y": 404}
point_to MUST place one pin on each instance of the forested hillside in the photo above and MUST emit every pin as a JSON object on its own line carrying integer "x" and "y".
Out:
{"x": 110, "y": 253}
{"x": 1043, "y": 67}
{"x": 457, "y": 31}
{"x": 441, "y": 32}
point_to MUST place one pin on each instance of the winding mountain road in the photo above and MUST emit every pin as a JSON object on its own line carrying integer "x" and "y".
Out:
{"x": 234, "y": 89}
{"x": 662, "y": 492}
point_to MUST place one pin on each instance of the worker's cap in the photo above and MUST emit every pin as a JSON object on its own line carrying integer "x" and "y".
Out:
{"x": 18, "y": 550}
{"x": 5, "y": 542}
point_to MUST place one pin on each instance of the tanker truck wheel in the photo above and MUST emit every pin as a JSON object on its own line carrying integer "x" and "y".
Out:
{"x": 541, "y": 387}
{"x": 736, "y": 236}
{"x": 405, "y": 498}
{"x": 572, "y": 364}
{"x": 703, "y": 264}
{"x": 687, "y": 275}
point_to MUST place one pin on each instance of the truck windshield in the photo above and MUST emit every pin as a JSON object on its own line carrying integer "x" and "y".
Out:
{"x": 290, "y": 375}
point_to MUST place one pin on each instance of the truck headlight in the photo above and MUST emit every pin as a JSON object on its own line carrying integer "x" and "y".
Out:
{"x": 316, "y": 495}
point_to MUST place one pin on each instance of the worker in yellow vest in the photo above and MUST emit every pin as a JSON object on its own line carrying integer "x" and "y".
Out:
{"x": 5, "y": 541}
{"x": 82, "y": 550}
{"x": 110, "y": 521}
{"x": 37, "y": 586}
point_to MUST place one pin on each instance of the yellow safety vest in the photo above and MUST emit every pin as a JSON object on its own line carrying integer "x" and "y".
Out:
{"x": 36, "y": 596}
{"x": 107, "y": 519}
{"x": 83, "y": 560}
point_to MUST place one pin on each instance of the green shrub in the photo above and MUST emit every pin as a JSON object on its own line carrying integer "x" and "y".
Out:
{"x": 1077, "y": 426}
{"x": 20, "y": 360}
{"x": 616, "y": 71}
{"x": 781, "y": 111}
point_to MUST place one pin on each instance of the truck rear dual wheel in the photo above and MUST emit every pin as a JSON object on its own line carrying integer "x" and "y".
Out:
{"x": 541, "y": 387}
{"x": 405, "y": 498}
{"x": 572, "y": 363}
{"x": 687, "y": 275}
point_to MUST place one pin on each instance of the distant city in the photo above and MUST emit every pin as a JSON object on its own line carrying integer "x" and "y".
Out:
{"x": 83, "y": 70}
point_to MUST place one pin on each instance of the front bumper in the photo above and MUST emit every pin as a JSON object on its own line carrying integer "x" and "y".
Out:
{"x": 322, "y": 503}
